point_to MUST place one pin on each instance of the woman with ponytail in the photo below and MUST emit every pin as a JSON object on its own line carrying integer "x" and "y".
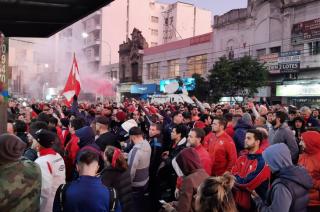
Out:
{"x": 116, "y": 175}
{"x": 215, "y": 195}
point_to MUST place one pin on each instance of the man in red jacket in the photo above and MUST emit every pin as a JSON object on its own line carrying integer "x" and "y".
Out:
{"x": 195, "y": 137}
{"x": 72, "y": 147}
{"x": 251, "y": 171}
{"x": 221, "y": 148}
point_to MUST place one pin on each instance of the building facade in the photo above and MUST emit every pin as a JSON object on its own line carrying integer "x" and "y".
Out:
{"x": 285, "y": 36}
{"x": 159, "y": 23}
{"x": 181, "y": 59}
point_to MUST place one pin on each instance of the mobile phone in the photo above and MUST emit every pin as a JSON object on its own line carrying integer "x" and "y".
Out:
{"x": 162, "y": 201}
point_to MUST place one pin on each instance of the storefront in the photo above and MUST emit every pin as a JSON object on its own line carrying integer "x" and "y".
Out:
{"x": 143, "y": 90}
{"x": 300, "y": 94}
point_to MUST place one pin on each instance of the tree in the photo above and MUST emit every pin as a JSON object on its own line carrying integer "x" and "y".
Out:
{"x": 201, "y": 90}
{"x": 239, "y": 77}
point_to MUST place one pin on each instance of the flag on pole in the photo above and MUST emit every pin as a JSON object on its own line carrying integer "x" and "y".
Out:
{"x": 73, "y": 85}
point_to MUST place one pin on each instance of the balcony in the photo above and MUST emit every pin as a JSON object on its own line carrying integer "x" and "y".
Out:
{"x": 93, "y": 27}
{"x": 90, "y": 43}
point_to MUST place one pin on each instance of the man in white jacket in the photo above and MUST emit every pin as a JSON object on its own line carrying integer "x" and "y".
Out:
{"x": 52, "y": 168}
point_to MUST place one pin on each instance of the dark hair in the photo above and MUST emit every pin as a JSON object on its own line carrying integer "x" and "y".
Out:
{"x": 158, "y": 126}
{"x": 64, "y": 122}
{"x": 282, "y": 116}
{"x": 19, "y": 126}
{"x": 222, "y": 121}
{"x": 181, "y": 129}
{"x": 257, "y": 134}
{"x": 228, "y": 116}
{"x": 37, "y": 125}
{"x": 176, "y": 113}
{"x": 135, "y": 131}
{"x": 53, "y": 120}
{"x": 87, "y": 157}
{"x": 121, "y": 163}
{"x": 186, "y": 115}
{"x": 77, "y": 123}
{"x": 216, "y": 194}
{"x": 204, "y": 117}
{"x": 200, "y": 133}
{"x": 43, "y": 117}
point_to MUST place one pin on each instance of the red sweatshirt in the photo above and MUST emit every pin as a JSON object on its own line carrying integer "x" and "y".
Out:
{"x": 223, "y": 153}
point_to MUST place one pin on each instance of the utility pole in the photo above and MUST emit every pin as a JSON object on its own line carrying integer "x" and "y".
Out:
{"x": 4, "y": 48}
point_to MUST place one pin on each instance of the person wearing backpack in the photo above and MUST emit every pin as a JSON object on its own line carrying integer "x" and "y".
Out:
{"x": 87, "y": 193}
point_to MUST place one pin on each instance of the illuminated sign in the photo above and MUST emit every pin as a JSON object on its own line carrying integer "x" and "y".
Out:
{"x": 298, "y": 90}
{"x": 188, "y": 83}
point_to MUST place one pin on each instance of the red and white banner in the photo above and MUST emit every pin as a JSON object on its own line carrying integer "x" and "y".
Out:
{"x": 73, "y": 85}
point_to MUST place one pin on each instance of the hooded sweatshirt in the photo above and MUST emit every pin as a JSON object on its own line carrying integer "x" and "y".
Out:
{"x": 290, "y": 184}
{"x": 189, "y": 165}
{"x": 139, "y": 161}
{"x": 240, "y": 133}
{"x": 310, "y": 160}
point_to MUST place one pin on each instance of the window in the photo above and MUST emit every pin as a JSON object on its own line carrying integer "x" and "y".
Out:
{"x": 153, "y": 71}
{"x": 173, "y": 68}
{"x": 276, "y": 49}
{"x": 154, "y": 19}
{"x": 314, "y": 48}
{"x": 197, "y": 64}
{"x": 166, "y": 21}
{"x": 154, "y": 32}
{"x": 261, "y": 52}
{"x": 113, "y": 73}
{"x": 154, "y": 44}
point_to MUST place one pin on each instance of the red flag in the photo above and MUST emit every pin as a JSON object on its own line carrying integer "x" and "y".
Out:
{"x": 73, "y": 84}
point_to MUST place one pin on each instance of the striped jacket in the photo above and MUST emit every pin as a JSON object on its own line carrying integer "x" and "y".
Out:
{"x": 139, "y": 161}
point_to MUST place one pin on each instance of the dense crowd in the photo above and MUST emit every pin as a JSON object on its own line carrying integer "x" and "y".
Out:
{"x": 134, "y": 156}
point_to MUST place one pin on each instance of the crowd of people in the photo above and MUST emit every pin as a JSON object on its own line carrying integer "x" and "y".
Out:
{"x": 139, "y": 157}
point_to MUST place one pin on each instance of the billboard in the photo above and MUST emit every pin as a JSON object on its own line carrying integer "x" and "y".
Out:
{"x": 284, "y": 62}
{"x": 306, "y": 30}
{"x": 144, "y": 89}
{"x": 271, "y": 62}
{"x": 289, "y": 62}
{"x": 188, "y": 83}
{"x": 298, "y": 90}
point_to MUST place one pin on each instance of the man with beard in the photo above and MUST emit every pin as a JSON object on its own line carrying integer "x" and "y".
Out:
{"x": 250, "y": 171}
{"x": 221, "y": 148}
{"x": 281, "y": 133}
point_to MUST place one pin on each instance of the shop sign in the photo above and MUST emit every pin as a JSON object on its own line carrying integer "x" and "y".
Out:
{"x": 306, "y": 30}
{"x": 298, "y": 90}
{"x": 289, "y": 62}
{"x": 144, "y": 89}
{"x": 271, "y": 62}
{"x": 124, "y": 88}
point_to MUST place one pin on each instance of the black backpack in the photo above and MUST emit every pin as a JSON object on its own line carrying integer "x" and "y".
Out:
{"x": 61, "y": 192}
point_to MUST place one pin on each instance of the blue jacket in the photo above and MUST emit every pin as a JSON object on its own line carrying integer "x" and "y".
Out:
{"x": 240, "y": 134}
{"x": 290, "y": 186}
{"x": 312, "y": 122}
{"x": 86, "y": 194}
